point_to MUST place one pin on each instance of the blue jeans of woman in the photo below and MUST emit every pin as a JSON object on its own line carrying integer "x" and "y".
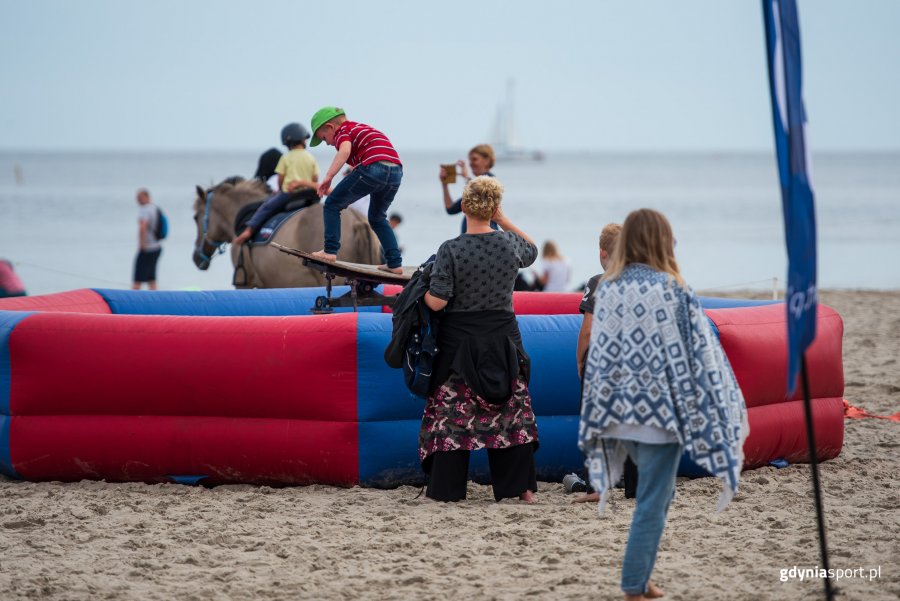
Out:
{"x": 657, "y": 466}
{"x": 380, "y": 181}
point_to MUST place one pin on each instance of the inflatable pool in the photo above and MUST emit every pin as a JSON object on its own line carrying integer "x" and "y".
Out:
{"x": 247, "y": 386}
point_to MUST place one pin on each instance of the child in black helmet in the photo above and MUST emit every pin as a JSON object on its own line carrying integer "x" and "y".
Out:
{"x": 296, "y": 170}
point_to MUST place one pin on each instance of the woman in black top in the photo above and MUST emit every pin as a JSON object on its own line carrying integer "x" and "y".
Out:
{"x": 480, "y": 397}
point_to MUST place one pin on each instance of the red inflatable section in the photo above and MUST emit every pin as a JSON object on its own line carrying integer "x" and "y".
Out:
{"x": 132, "y": 448}
{"x": 173, "y": 389}
{"x": 75, "y": 301}
{"x": 779, "y": 432}
{"x": 527, "y": 303}
{"x": 755, "y": 340}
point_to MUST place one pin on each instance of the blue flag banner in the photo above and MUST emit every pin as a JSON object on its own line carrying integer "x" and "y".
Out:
{"x": 798, "y": 202}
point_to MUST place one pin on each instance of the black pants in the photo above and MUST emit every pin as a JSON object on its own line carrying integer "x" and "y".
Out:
{"x": 145, "y": 265}
{"x": 512, "y": 473}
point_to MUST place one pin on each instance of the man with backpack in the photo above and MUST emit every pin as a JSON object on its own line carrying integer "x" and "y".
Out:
{"x": 152, "y": 227}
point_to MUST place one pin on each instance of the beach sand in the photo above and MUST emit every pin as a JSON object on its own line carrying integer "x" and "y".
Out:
{"x": 95, "y": 540}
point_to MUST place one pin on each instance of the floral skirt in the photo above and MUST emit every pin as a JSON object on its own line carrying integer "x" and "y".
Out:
{"x": 457, "y": 419}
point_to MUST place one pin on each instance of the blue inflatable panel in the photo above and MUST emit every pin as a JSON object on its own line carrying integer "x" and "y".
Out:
{"x": 381, "y": 392}
{"x": 711, "y": 302}
{"x": 550, "y": 341}
{"x": 389, "y": 453}
{"x": 271, "y": 302}
{"x": 6, "y": 466}
{"x": 389, "y": 456}
{"x": 187, "y": 480}
{"x": 8, "y": 322}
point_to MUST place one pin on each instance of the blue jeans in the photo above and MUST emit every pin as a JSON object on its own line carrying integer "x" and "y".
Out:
{"x": 380, "y": 181}
{"x": 272, "y": 205}
{"x": 657, "y": 466}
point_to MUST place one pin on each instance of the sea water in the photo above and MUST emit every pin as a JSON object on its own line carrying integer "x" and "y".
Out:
{"x": 69, "y": 220}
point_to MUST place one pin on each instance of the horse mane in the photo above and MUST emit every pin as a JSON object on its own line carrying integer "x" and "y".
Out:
{"x": 239, "y": 184}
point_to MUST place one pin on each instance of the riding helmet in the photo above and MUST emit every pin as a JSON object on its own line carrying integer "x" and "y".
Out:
{"x": 293, "y": 133}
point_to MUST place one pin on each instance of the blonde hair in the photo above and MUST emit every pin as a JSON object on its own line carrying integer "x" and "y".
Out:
{"x": 550, "y": 250}
{"x": 646, "y": 238}
{"x": 481, "y": 197}
{"x": 486, "y": 151}
{"x": 608, "y": 236}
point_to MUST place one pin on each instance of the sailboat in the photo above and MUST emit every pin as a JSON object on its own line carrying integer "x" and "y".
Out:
{"x": 504, "y": 137}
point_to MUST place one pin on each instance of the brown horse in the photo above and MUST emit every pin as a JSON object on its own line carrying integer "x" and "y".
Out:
{"x": 264, "y": 266}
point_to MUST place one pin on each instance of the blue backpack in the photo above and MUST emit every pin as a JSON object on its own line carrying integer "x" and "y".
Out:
{"x": 162, "y": 225}
{"x": 421, "y": 350}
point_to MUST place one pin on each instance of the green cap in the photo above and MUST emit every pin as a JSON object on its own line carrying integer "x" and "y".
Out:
{"x": 323, "y": 116}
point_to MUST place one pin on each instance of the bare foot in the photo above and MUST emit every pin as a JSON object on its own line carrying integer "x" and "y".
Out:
{"x": 243, "y": 237}
{"x": 653, "y": 591}
{"x": 396, "y": 270}
{"x": 527, "y": 497}
{"x": 321, "y": 254}
{"x": 589, "y": 498}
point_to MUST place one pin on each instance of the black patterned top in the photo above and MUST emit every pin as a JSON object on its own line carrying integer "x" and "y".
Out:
{"x": 476, "y": 272}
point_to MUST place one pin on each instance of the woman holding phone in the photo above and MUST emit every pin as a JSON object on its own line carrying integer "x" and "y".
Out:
{"x": 481, "y": 160}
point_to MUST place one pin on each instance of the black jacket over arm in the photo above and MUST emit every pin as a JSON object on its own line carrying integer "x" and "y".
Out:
{"x": 485, "y": 349}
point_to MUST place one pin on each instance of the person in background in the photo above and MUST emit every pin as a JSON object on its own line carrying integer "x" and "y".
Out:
{"x": 481, "y": 161}
{"x": 555, "y": 274}
{"x": 669, "y": 391}
{"x": 480, "y": 396}
{"x": 296, "y": 170}
{"x": 608, "y": 237}
{"x": 10, "y": 284}
{"x": 377, "y": 173}
{"x": 266, "y": 168}
{"x": 394, "y": 220}
{"x": 149, "y": 247}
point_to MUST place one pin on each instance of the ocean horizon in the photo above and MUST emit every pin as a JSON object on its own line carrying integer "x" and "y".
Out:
{"x": 68, "y": 219}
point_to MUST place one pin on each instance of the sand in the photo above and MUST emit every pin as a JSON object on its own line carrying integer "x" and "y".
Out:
{"x": 95, "y": 540}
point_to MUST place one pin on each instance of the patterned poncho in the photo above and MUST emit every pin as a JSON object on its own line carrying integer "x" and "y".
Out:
{"x": 655, "y": 361}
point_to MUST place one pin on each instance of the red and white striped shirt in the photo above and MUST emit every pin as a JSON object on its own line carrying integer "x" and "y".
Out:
{"x": 368, "y": 145}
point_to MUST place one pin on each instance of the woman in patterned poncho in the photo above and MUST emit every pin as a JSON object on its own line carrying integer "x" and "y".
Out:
{"x": 657, "y": 384}
{"x": 480, "y": 395}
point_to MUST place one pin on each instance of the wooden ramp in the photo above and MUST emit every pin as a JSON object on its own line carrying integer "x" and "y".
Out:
{"x": 362, "y": 278}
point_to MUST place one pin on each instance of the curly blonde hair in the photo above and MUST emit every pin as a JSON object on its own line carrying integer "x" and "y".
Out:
{"x": 481, "y": 197}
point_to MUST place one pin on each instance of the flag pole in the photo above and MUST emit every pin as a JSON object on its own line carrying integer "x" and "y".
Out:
{"x": 783, "y": 54}
{"x": 814, "y": 470}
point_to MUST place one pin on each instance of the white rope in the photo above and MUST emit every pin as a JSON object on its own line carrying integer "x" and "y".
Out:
{"x": 773, "y": 281}
{"x": 72, "y": 274}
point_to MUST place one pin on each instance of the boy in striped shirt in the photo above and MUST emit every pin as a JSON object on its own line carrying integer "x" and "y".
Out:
{"x": 376, "y": 171}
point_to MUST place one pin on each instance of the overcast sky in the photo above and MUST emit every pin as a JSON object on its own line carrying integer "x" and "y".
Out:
{"x": 597, "y": 75}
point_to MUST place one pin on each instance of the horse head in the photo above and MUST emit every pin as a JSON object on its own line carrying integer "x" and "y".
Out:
{"x": 214, "y": 212}
{"x": 207, "y": 243}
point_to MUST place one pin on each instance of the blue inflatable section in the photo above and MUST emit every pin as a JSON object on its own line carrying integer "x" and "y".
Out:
{"x": 8, "y": 322}
{"x": 389, "y": 415}
{"x": 712, "y": 302}
{"x": 224, "y": 303}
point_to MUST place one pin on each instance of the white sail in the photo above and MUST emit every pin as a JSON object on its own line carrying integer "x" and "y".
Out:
{"x": 504, "y": 137}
